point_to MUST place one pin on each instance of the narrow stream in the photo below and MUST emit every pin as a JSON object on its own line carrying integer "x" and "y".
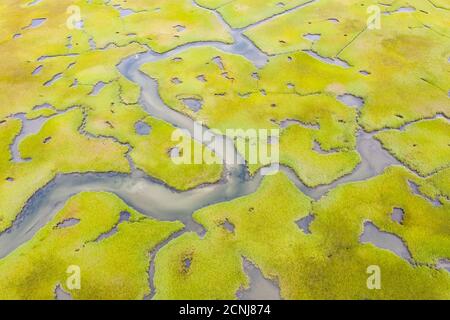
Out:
{"x": 29, "y": 127}
{"x": 153, "y": 198}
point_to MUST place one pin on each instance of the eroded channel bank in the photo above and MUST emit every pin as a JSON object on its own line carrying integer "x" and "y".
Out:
{"x": 157, "y": 200}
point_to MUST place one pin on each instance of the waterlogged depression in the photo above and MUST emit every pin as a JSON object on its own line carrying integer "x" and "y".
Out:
{"x": 158, "y": 200}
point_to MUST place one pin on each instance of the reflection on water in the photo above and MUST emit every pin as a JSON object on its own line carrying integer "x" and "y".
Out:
{"x": 385, "y": 240}
{"x": 60, "y": 294}
{"x": 154, "y": 198}
{"x": 260, "y": 287}
{"x": 157, "y": 200}
{"x": 29, "y": 127}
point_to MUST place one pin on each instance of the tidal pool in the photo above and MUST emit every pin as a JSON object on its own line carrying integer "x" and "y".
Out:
{"x": 154, "y": 199}
{"x": 260, "y": 287}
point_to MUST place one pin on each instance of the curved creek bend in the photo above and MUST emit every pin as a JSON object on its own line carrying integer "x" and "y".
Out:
{"x": 153, "y": 198}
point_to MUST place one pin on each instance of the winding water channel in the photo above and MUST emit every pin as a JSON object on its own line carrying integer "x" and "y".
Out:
{"x": 157, "y": 200}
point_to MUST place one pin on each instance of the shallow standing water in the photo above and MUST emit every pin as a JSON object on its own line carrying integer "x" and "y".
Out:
{"x": 153, "y": 198}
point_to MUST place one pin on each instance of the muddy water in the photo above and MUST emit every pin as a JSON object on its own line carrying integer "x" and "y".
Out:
{"x": 29, "y": 127}
{"x": 374, "y": 160}
{"x": 260, "y": 287}
{"x": 155, "y": 199}
{"x": 385, "y": 240}
{"x": 139, "y": 191}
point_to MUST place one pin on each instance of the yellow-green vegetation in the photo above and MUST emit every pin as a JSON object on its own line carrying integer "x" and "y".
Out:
{"x": 336, "y": 27}
{"x": 242, "y": 13}
{"x": 407, "y": 54}
{"x": 314, "y": 168}
{"x": 237, "y": 95}
{"x": 150, "y": 152}
{"x": 423, "y": 146}
{"x": 78, "y": 76}
{"x": 114, "y": 266}
{"x": 49, "y": 66}
{"x": 425, "y": 227}
{"x": 330, "y": 262}
{"x": 60, "y": 137}
{"x": 188, "y": 266}
{"x": 61, "y": 61}
{"x": 263, "y": 219}
{"x": 160, "y": 24}
{"x": 54, "y": 149}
